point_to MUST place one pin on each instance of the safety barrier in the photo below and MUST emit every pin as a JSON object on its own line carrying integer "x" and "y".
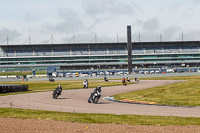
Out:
{"x": 6, "y": 88}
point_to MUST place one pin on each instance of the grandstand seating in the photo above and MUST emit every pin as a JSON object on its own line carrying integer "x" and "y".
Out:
{"x": 107, "y": 54}
{"x": 100, "y": 51}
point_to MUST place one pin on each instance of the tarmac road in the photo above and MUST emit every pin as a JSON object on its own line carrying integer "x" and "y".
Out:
{"x": 76, "y": 101}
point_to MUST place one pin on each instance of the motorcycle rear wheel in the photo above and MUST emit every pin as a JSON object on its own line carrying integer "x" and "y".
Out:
{"x": 96, "y": 99}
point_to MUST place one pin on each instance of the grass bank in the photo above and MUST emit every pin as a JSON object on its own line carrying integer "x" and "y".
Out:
{"x": 180, "y": 94}
{"x": 98, "y": 118}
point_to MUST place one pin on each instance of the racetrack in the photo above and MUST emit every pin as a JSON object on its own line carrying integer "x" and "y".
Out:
{"x": 76, "y": 101}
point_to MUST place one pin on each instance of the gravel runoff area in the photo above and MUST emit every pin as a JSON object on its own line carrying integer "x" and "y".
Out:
{"x": 72, "y": 101}
{"x": 12, "y": 125}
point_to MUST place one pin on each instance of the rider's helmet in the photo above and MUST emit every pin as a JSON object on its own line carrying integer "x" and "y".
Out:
{"x": 59, "y": 86}
{"x": 99, "y": 88}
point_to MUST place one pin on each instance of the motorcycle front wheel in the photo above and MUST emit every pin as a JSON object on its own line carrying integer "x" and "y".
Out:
{"x": 55, "y": 96}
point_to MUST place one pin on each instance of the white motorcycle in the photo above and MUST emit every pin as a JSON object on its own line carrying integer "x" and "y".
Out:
{"x": 94, "y": 97}
{"x": 85, "y": 86}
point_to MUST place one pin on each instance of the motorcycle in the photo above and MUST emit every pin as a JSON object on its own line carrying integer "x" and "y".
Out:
{"x": 85, "y": 85}
{"x": 136, "y": 80}
{"x": 94, "y": 97}
{"x": 105, "y": 79}
{"x": 128, "y": 80}
{"x": 124, "y": 83}
{"x": 56, "y": 93}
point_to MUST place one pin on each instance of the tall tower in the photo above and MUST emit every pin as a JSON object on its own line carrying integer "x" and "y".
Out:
{"x": 129, "y": 48}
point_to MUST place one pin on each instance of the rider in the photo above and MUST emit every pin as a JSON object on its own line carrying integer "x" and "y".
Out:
{"x": 128, "y": 79}
{"x": 95, "y": 90}
{"x": 85, "y": 83}
{"x": 59, "y": 89}
{"x": 105, "y": 79}
{"x": 124, "y": 81}
{"x": 136, "y": 79}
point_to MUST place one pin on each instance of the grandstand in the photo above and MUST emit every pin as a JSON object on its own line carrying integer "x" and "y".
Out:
{"x": 95, "y": 56}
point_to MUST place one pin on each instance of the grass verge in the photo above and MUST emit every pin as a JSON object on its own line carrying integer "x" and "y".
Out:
{"x": 22, "y": 73}
{"x": 180, "y": 94}
{"x": 98, "y": 118}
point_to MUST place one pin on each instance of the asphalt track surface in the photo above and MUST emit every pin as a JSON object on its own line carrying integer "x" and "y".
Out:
{"x": 76, "y": 101}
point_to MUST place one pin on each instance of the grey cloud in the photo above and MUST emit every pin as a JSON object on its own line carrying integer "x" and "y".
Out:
{"x": 176, "y": 6}
{"x": 96, "y": 7}
{"x": 146, "y": 36}
{"x": 80, "y": 38}
{"x": 90, "y": 38}
{"x": 196, "y": 1}
{"x": 192, "y": 35}
{"x": 138, "y": 23}
{"x": 30, "y": 17}
{"x": 12, "y": 34}
{"x": 121, "y": 8}
{"x": 71, "y": 23}
{"x": 151, "y": 31}
{"x": 101, "y": 10}
{"x": 189, "y": 12}
{"x": 96, "y": 22}
{"x": 172, "y": 33}
{"x": 67, "y": 13}
{"x": 110, "y": 7}
{"x": 151, "y": 24}
{"x": 69, "y": 26}
{"x": 136, "y": 7}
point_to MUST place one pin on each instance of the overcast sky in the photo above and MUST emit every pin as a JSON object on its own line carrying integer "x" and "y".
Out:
{"x": 107, "y": 18}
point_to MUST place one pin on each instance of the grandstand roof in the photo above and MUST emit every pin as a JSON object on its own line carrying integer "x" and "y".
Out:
{"x": 169, "y": 43}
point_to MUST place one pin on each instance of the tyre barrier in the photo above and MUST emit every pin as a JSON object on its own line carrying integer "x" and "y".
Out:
{"x": 6, "y": 88}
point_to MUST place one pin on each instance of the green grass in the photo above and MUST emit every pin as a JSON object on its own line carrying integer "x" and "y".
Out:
{"x": 184, "y": 93}
{"x": 98, "y": 118}
{"x": 181, "y": 94}
{"x": 172, "y": 78}
{"x": 41, "y": 86}
{"x": 22, "y": 73}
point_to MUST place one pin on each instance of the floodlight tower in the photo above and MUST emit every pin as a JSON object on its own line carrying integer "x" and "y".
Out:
{"x": 129, "y": 48}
